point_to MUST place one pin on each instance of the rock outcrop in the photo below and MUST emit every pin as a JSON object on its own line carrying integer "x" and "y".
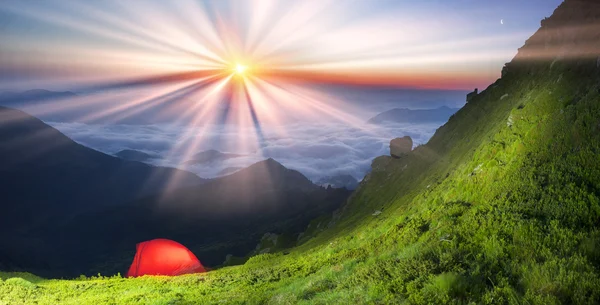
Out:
{"x": 400, "y": 146}
{"x": 504, "y": 70}
{"x": 471, "y": 95}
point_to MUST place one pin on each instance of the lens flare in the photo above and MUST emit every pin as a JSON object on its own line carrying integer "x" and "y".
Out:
{"x": 243, "y": 65}
{"x": 240, "y": 69}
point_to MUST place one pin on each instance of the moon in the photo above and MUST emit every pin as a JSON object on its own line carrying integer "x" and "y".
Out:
{"x": 501, "y": 21}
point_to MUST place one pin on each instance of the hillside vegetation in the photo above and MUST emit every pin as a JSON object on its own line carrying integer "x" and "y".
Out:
{"x": 502, "y": 206}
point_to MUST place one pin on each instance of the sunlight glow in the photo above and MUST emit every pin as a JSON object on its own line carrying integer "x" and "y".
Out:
{"x": 261, "y": 64}
{"x": 240, "y": 69}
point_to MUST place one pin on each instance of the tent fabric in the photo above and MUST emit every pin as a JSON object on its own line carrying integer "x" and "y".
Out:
{"x": 163, "y": 257}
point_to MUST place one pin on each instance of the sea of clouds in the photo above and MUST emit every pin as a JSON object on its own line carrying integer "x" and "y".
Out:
{"x": 315, "y": 149}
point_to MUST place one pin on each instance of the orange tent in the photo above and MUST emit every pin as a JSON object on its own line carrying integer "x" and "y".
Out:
{"x": 163, "y": 257}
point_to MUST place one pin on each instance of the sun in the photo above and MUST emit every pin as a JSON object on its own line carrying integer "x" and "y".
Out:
{"x": 240, "y": 69}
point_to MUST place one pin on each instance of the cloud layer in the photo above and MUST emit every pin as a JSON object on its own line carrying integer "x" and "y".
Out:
{"x": 317, "y": 146}
{"x": 315, "y": 149}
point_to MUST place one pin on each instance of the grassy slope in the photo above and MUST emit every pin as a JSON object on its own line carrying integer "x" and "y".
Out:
{"x": 501, "y": 206}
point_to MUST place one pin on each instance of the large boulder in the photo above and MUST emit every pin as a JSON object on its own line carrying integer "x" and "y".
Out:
{"x": 400, "y": 146}
{"x": 504, "y": 70}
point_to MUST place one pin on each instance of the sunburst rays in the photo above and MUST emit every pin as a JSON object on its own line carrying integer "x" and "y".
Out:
{"x": 246, "y": 65}
{"x": 205, "y": 69}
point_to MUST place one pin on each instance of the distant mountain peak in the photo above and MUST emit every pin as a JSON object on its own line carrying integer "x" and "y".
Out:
{"x": 270, "y": 174}
{"x": 38, "y": 93}
{"x": 270, "y": 164}
{"x": 405, "y": 115}
{"x": 273, "y": 162}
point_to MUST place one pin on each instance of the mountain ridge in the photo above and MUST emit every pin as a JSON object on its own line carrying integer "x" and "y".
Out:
{"x": 33, "y": 95}
{"x": 36, "y": 156}
{"x": 405, "y": 115}
{"x": 221, "y": 217}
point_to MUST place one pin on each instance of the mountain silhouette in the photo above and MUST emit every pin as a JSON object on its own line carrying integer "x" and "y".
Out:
{"x": 47, "y": 176}
{"x": 69, "y": 210}
{"x": 227, "y": 215}
{"x": 404, "y": 115}
{"x": 34, "y": 95}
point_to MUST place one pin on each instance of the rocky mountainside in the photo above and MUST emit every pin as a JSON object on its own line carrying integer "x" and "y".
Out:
{"x": 502, "y": 205}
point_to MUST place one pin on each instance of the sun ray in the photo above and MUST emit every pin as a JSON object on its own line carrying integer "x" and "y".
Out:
{"x": 248, "y": 69}
{"x": 140, "y": 104}
{"x": 199, "y": 113}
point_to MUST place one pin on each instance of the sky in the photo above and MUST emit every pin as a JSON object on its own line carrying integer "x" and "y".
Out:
{"x": 456, "y": 44}
{"x": 292, "y": 80}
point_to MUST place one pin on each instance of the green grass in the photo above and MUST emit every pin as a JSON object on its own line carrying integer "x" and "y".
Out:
{"x": 502, "y": 206}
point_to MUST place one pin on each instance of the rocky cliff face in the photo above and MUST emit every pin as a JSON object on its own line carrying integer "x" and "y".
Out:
{"x": 572, "y": 33}
{"x": 472, "y": 95}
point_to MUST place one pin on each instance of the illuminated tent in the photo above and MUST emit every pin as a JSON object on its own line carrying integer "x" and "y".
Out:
{"x": 163, "y": 257}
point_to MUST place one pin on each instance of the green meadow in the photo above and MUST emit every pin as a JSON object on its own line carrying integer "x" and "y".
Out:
{"x": 501, "y": 206}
